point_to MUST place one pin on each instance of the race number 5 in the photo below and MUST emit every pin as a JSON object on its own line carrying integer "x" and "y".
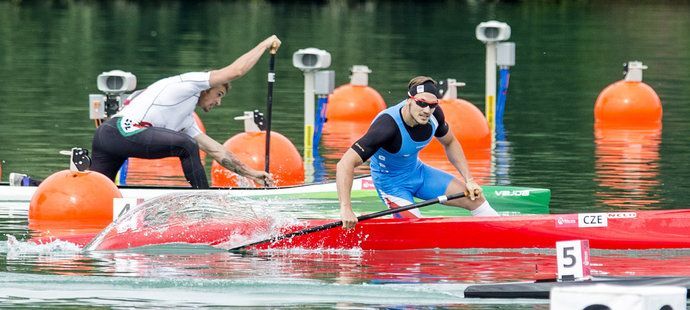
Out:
{"x": 572, "y": 258}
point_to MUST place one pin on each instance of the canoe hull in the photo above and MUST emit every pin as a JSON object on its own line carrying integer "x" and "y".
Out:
{"x": 622, "y": 230}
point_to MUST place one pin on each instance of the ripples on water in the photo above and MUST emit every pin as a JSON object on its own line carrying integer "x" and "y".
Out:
{"x": 627, "y": 167}
{"x": 185, "y": 275}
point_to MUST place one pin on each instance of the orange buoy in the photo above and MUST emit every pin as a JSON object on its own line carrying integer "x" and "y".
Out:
{"x": 468, "y": 125}
{"x": 351, "y": 102}
{"x": 629, "y": 103}
{"x": 73, "y": 198}
{"x": 355, "y": 101}
{"x": 250, "y": 148}
{"x": 164, "y": 171}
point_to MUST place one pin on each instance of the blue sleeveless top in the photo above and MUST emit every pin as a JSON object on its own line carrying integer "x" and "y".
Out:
{"x": 385, "y": 165}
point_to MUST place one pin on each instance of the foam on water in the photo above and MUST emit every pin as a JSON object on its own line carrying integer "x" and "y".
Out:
{"x": 17, "y": 248}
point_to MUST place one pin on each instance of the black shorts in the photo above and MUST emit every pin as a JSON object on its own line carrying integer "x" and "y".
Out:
{"x": 110, "y": 149}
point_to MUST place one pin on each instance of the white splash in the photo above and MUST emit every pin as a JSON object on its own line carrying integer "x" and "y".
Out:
{"x": 16, "y": 248}
{"x": 202, "y": 215}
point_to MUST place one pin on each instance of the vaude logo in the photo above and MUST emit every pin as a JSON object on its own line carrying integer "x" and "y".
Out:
{"x": 513, "y": 193}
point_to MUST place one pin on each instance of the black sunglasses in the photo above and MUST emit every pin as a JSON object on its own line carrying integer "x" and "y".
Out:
{"x": 423, "y": 104}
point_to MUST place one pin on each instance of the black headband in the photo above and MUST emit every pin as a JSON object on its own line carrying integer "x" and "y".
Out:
{"x": 426, "y": 87}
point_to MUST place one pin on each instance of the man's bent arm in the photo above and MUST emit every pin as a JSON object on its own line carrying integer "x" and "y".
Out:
{"x": 456, "y": 156}
{"x": 228, "y": 160}
{"x": 243, "y": 64}
{"x": 344, "y": 175}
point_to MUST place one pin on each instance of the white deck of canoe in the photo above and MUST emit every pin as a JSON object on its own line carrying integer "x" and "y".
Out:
{"x": 23, "y": 194}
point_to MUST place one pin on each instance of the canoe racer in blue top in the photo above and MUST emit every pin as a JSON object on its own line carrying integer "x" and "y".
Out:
{"x": 393, "y": 142}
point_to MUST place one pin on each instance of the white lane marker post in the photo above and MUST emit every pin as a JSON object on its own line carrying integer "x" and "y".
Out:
{"x": 572, "y": 258}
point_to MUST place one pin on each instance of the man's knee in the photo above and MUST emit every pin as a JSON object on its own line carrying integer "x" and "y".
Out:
{"x": 189, "y": 147}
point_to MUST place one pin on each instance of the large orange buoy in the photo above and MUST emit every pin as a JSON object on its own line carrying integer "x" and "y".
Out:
{"x": 351, "y": 109}
{"x": 354, "y": 103}
{"x": 468, "y": 125}
{"x": 629, "y": 103}
{"x": 164, "y": 171}
{"x": 250, "y": 148}
{"x": 72, "y": 198}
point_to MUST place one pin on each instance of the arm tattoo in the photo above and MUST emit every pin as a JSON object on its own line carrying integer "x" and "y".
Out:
{"x": 234, "y": 165}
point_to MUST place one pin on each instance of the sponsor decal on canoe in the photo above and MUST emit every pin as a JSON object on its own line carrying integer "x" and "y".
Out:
{"x": 582, "y": 220}
{"x": 566, "y": 220}
{"x": 622, "y": 215}
{"x": 513, "y": 193}
{"x": 368, "y": 184}
{"x": 592, "y": 220}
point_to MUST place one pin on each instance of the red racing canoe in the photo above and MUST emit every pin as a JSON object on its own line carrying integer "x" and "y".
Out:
{"x": 611, "y": 230}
